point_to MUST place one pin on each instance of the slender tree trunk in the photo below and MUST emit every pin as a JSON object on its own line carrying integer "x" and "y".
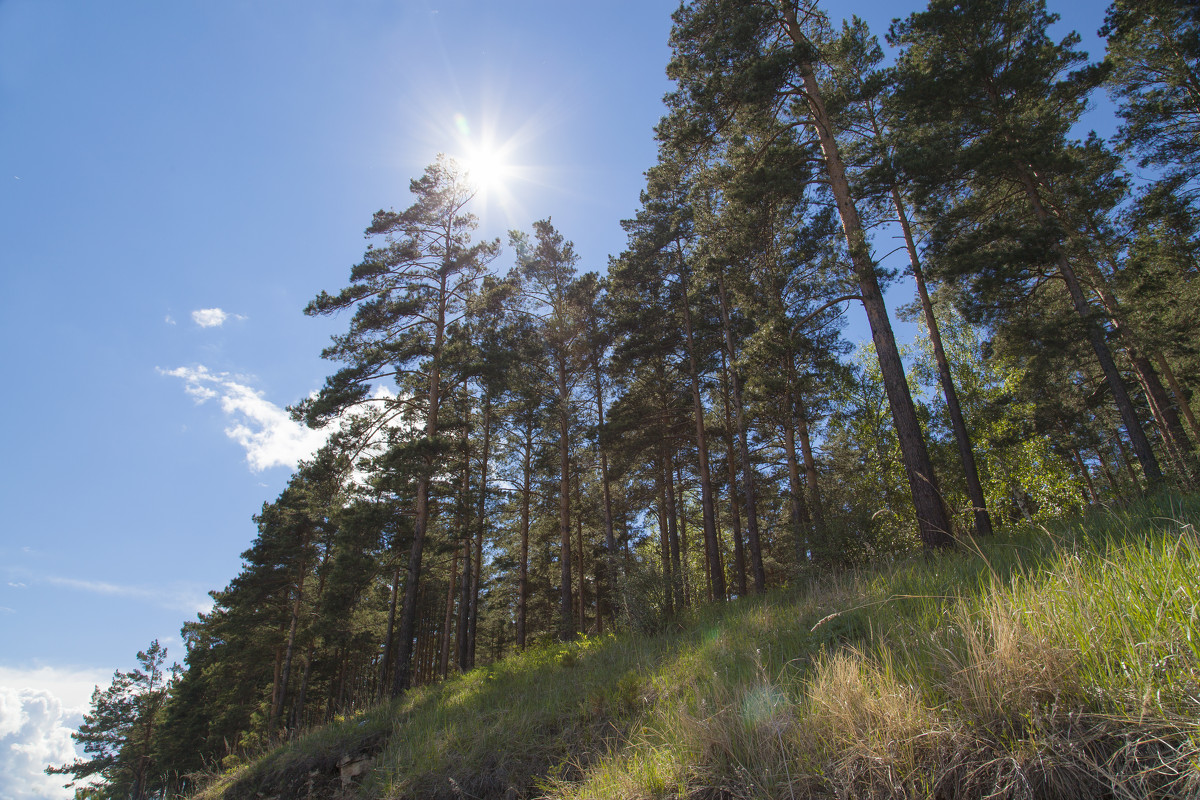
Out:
{"x": 566, "y": 623}
{"x": 388, "y": 656}
{"x": 1180, "y": 400}
{"x": 402, "y": 677}
{"x": 749, "y": 495}
{"x": 302, "y": 694}
{"x": 461, "y": 646}
{"x": 932, "y": 520}
{"x": 1087, "y": 476}
{"x": 1126, "y": 460}
{"x": 684, "y": 558}
{"x": 581, "y": 569}
{"x": 286, "y": 670}
{"x": 712, "y": 553}
{"x": 966, "y": 453}
{"x": 1178, "y": 446}
{"x": 610, "y": 545}
{"x": 801, "y": 521}
{"x": 523, "y": 573}
{"x": 673, "y": 531}
{"x": 473, "y": 618}
{"x": 448, "y": 617}
{"x": 810, "y": 468}
{"x": 664, "y": 536}
{"x": 1170, "y": 428}
{"x": 276, "y": 690}
{"x": 1112, "y": 376}
{"x": 1109, "y": 475}
{"x": 739, "y": 554}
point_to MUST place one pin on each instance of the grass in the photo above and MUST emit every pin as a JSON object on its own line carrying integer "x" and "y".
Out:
{"x": 1050, "y": 662}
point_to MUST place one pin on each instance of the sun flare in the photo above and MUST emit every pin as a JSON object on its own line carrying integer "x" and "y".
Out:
{"x": 486, "y": 168}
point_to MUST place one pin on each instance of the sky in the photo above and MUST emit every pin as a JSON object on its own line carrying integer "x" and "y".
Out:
{"x": 177, "y": 181}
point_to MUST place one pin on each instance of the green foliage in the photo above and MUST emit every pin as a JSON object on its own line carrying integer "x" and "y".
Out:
{"x": 1154, "y": 73}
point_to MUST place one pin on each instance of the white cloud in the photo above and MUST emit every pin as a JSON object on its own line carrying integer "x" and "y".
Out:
{"x": 169, "y": 319}
{"x": 209, "y": 317}
{"x": 39, "y": 708}
{"x": 270, "y": 437}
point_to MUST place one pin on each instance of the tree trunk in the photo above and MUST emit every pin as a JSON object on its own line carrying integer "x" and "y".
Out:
{"x": 579, "y": 563}
{"x": 461, "y": 647}
{"x": 801, "y": 520}
{"x": 664, "y": 537}
{"x": 523, "y": 569}
{"x": 735, "y": 517}
{"x": 810, "y": 468}
{"x": 1087, "y": 476}
{"x": 448, "y": 617}
{"x": 673, "y": 531}
{"x": 749, "y": 495}
{"x": 388, "y": 657}
{"x": 932, "y": 520}
{"x": 473, "y": 617}
{"x": 1180, "y": 400}
{"x": 610, "y": 544}
{"x": 712, "y": 553}
{"x": 1112, "y": 376}
{"x": 966, "y": 453}
{"x": 566, "y": 623}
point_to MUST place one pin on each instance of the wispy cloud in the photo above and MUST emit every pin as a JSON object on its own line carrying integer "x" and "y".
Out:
{"x": 212, "y": 317}
{"x": 270, "y": 437}
{"x": 175, "y": 598}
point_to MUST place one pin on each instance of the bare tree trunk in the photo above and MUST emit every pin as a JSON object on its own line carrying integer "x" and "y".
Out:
{"x": 388, "y": 657}
{"x": 712, "y": 553}
{"x": 481, "y": 533}
{"x": 739, "y": 555}
{"x": 966, "y": 453}
{"x": 1180, "y": 400}
{"x": 664, "y": 536}
{"x": 566, "y": 623}
{"x": 610, "y": 545}
{"x": 1087, "y": 476}
{"x": 448, "y": 617}
{"x": 1112, "y": 376}
{"x": 810, "y": 468}
{"x": 462, "y": 648}
{"x": 748, "y": 490}
{"x": 523, "y": 570}
{"x": 673, "y": 531}
{"x": 801, "y": 521}
{"x": 932, "y": 520}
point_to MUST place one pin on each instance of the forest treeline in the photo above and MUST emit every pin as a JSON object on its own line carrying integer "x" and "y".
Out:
{"x": 523, "y": 451}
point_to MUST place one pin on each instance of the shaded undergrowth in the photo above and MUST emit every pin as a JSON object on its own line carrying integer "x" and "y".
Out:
{"x": 1048, "y": 662}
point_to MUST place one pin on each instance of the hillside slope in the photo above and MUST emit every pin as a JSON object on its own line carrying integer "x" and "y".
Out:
{"x": 1058, "y": 662}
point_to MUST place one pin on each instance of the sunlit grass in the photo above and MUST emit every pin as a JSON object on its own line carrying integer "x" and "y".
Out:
{"x": 1061, "y": 661}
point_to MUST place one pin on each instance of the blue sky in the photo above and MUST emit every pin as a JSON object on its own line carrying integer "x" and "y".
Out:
{"x": 177, "y": 180}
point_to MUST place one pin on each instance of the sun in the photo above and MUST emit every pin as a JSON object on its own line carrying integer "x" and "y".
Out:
{"x": 486, "y": 168}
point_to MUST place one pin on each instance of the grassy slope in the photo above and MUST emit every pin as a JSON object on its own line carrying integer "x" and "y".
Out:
{"x": 1057, "y": 663}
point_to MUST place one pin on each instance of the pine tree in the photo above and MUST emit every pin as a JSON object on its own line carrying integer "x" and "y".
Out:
{"x": 988, "y": 104}
{"x": 406, "y": 296}
{"x": 762, "y": 61}
{"x": 119, "y": 732}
